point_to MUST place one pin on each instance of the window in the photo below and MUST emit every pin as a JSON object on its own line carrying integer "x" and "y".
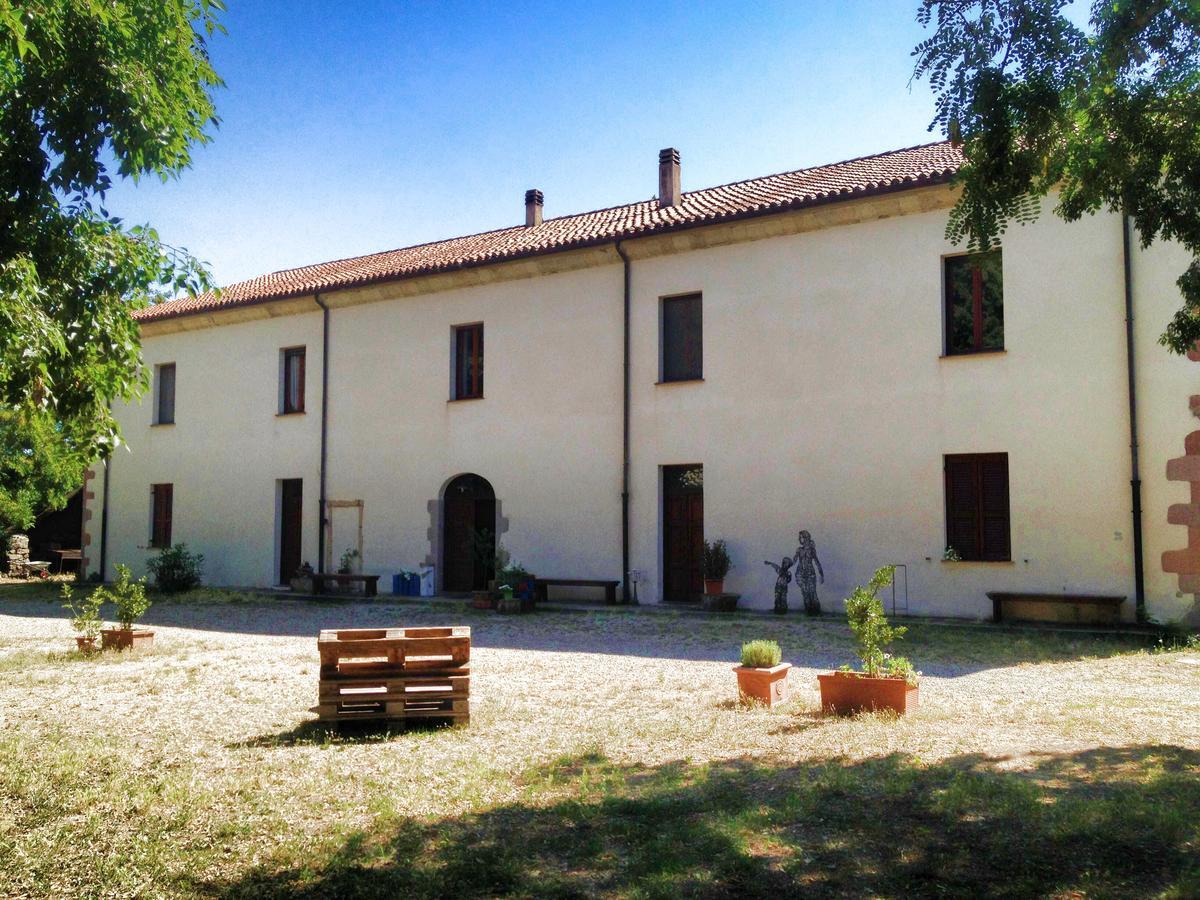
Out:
{"x": 160, "y": 514}
{"x": 682, "y": 339}
{"x": 468, "y": 361}
{"x": 974, "y": 303}
{"x": 293, "y": 381}
{"x": 977, "y": 524}
{"x": 164, "y": 394}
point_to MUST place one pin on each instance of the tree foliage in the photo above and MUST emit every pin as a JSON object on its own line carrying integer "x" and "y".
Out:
{"x": 40, "y": 467}
{"x": 89, "y": 90}
{"x": 1107, "y": 115}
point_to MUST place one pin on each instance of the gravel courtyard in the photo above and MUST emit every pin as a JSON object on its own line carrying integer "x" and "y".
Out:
{"x": 195, "y": 768}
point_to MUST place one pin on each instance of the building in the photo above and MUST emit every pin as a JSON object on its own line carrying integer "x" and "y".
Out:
{"x": 801, "y": 351}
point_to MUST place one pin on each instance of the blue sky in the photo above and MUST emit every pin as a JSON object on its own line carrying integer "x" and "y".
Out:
{"x": 353, "y": 127}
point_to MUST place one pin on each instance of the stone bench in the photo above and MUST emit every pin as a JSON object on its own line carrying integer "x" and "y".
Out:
{"x": 1063, "y": 609}
{"x": 322, "y": 580}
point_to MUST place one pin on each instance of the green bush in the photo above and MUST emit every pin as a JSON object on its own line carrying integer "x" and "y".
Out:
{"x": 864, "y": 611}
{"x": 175, "y": 569}
{"x": 85, "y": 614}
{"x": 127, "y": 595}
{"x": 716, "y": 561}
{"x": 761, "y": 654}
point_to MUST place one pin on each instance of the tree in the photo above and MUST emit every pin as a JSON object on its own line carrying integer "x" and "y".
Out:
{"x": 40, "y": 467}
{"x": 1108, "y": 116}
{"x": 85, "y": 86}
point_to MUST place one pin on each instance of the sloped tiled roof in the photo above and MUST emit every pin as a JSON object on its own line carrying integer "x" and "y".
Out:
{"x": 866, "y": 176}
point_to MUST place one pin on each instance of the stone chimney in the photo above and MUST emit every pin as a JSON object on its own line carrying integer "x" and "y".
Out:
{"x": 668, "y": 177}
{"x": 533, "y": 207}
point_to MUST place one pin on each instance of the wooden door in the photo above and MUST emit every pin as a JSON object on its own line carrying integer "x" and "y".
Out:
{"x": 468, "y": 509}
{"x": 291, "y": 515}
{"x": 683, "y": 533}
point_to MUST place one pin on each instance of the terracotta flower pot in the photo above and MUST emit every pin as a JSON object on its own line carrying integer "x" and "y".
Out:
{"x": 85, "y": 644}
{"x": 767, "y": 686}
{"x": 482, "y": 600}
{"x": 850, "y": 692}
{"x": 509, "y": 605}
{"x": 125, "y": 638}
{"x": 714, "y": 585}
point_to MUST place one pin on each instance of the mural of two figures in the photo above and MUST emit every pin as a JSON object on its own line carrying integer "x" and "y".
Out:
{"x": 804, "y": 567}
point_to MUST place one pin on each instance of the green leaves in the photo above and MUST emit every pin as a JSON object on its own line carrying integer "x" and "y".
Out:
{"x": 83, "y": 82}
{"x": 1110, "y": 118}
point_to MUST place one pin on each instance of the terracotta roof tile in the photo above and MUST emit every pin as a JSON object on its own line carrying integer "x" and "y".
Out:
{"x": 882, "y": 173}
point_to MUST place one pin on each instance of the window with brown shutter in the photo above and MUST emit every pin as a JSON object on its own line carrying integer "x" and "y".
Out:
{"x": 974, "y": 303}
{"x": 293, "y": 380}
{"x": 164, "y": 410}
{"x": 468, "y": 361}
{"x": 160, "y": 514}
{"x": 682, "y": 338}
{"x": 977, "y": 520}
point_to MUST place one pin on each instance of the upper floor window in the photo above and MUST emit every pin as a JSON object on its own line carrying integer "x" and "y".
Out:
{"x": 974, "y": 303}
{"x": 164, "y": 394}
{"x": 468, "y": 361}
{"x": 292, "y": 378}
{"x": 977, "y": 523}
{"x": 161, "y": 502}
{"x": 682, "y": 339}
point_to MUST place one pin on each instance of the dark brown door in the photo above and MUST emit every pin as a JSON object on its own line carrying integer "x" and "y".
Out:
{"x": 683, "y": 532}
{"x": 468, "y": 516}
{"x": 291, "y": 514}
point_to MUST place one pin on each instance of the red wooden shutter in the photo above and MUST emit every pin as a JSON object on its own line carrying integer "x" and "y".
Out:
{"x": 993, "y": 507}
{"x": 962, "y": 506}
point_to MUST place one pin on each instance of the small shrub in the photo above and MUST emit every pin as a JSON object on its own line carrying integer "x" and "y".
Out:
{"x": 127, "y": 595}
{"x": 864, "y": 611}
{"x": 175, "y": 569}
{"x": 761, "y": 654}
{"x": 346, "y": 565}
{"x": 716, "y": 560}
{"x": 85, "y": 614}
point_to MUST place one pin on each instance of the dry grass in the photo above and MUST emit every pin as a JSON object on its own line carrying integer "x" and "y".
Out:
{"x": 195, "y": 768}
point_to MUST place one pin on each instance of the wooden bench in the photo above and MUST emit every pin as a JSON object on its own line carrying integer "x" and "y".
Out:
{"x": 321, "y": 580}
{"x": 540, "y": 586}
{"x": 1069, "y": 609}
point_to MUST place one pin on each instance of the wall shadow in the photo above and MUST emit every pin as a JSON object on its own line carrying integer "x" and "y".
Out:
{"x": 1112, "y": 822}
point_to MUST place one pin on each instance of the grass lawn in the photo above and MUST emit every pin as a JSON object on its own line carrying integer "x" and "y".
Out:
{"x": 605, "y": 756}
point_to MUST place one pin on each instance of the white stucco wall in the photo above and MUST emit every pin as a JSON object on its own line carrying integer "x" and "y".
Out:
{"x": 826, "y": 405}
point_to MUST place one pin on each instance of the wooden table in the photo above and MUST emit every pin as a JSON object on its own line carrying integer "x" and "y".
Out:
{"x": 64, "y": 555}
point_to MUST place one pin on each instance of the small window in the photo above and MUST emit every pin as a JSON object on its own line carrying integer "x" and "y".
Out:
{"x": 468, "y": 361}
{"x": 977, "y": 523}
{"x": 164, "y": 394}
{"x": 293, "y": 381}
{"x": 160, "y": 514}
{"x": 682, "y": 339}
{"x": 974, "y": 303}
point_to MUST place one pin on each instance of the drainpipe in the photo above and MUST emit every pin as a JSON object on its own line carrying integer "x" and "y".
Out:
{"x": 104, "y": 518}
{"x": 625, "y": 598}
{"x": 324, "y": 428}
{"x": 1135, "y": 481}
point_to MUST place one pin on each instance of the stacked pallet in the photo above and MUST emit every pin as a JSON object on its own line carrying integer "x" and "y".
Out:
{"x": 395, "y": 674}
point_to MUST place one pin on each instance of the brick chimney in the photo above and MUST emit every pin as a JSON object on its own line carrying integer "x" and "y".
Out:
{"x": 668, "y": 177}
{"x": 533, "y": 207}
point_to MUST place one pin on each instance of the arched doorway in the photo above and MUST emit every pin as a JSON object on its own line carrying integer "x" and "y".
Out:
{"x": 468, "y": 514}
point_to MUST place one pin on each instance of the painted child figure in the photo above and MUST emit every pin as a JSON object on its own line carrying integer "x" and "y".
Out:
{"x": 784, "y": 572}
{"x": 806, "y": 576}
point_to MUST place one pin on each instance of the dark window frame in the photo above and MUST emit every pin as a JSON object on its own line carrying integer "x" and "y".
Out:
{"x": 293, "y": 404}
{"x": 468, "y": 361}
{"x": 975, "y": 505}
{"x": 162, "y": 504}
{"x": 979, "y": 326}
{"x": 163, "y": 416}
{"x": 689, "y": 358}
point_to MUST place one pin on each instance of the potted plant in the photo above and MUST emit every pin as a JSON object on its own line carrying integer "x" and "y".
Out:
{"x": 85, "y": 618}
{"x": 716, "y": 566}
{"x": 886, "y": 681}
{"x": 520, "y": 580}
{"x": 302, "y": 579}
{"x": 348, "y": 565}
{"x": 130, "y": 599}
{"x": 508, "y": 602}
{"x": 482, "y": 599}
{"x": 761, "y": 676}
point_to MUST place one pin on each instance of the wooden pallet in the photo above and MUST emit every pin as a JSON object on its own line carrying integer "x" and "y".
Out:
{"x": 395, "y": 674}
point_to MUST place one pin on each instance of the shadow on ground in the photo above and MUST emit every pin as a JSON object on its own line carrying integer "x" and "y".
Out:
{"x": 935, "y": 648}
{"x": 1105, "y": 822}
